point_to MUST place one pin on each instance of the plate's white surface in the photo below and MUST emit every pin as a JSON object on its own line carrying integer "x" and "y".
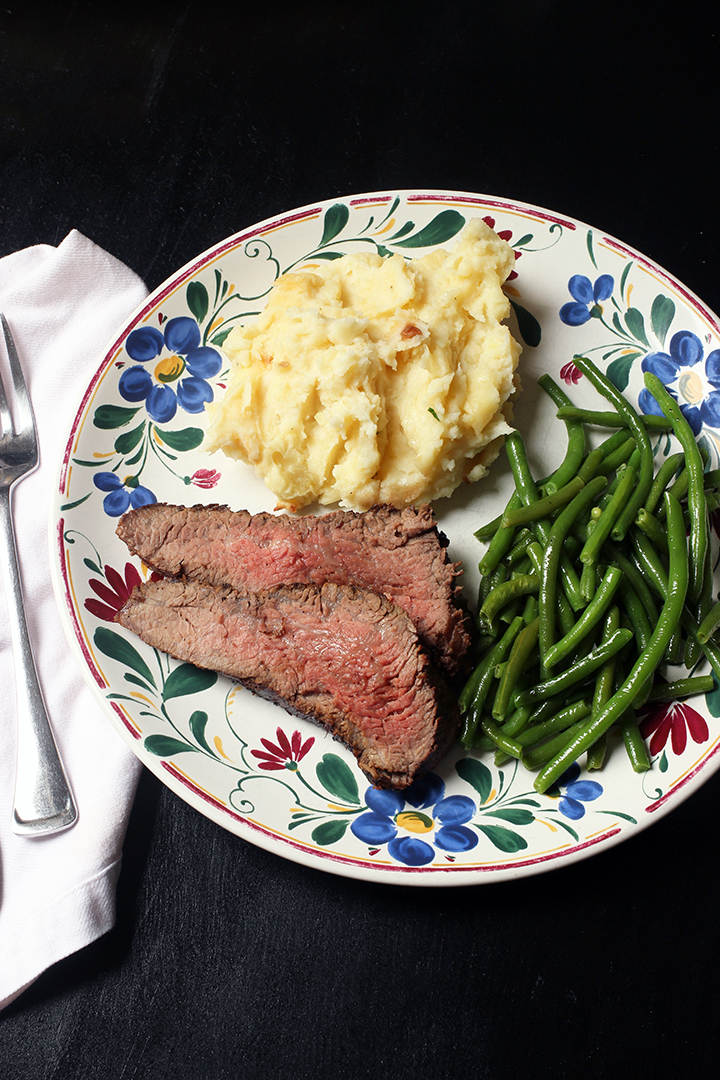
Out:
{"x": 274, "y": 780}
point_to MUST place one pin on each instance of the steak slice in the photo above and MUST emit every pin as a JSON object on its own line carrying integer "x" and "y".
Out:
{"x": 337, "y": 654}
{"x": 399, "y": 553}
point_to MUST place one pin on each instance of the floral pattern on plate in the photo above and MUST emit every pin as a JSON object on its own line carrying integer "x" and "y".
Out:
{"x": 284, "y": 784}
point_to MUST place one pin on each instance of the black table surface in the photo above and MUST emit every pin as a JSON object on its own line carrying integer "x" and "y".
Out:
{"x": 156, "y": 130}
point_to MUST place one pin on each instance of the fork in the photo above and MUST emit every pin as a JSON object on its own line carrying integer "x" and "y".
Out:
{"x": 43, "y": 802}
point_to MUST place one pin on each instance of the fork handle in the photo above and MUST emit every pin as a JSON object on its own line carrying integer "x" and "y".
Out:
{"x": 43, "y": 802}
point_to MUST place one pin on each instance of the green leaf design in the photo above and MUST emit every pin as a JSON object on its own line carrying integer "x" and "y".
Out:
{"x": 136, "y": 681}
{"x": 117, "y": 648}
{"x": 591, "y": 253}
{"x": 92, "y": 565}
{"x": 219, "y": 338}
{"x": 712, "y": 700}
{"x": 336, "y": 777}
{"x": 403, "y": 231}
{"x": 336, "y": 218}
{"x": 618, "y": 372}
{"x": 663, "y": 763}
{"x": 523, "y": 240}
{"x": 443, "y": 226}
{"x": 503, "y": 839}
{"x": 108, "y": 417}
{"x": 636, "y": 325}
{"x": 129, "y": 439}
{"x": 476, "y": 774}
{"x": 529, "y": 327}
{"x": 330, "y": 255}
{"x": 187, "y": 679}
{"x": 136, "y": 457}
{"x": 187, "y": 439}
{"x": 662, "y": 314}
{"x": 78, "y": 502}
{"x": 514, "y": 814}
{"x": 624, "y": 278}
{"x": 198, "y": 723}
{"x": 330, "y": 832}
{"x": 197, "y": 299}
{"x": 166, "y": 745}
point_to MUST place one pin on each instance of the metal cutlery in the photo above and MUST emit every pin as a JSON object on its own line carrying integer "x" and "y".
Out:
{"x": 43, "y": 802}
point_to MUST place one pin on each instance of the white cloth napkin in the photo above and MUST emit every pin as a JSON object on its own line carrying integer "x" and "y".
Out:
{"x": 57, "y": 893}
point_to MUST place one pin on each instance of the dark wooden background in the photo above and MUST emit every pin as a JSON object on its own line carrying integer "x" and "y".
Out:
{"x": 157, "y": 129}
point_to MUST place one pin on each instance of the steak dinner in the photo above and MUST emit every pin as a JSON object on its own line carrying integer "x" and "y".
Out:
{"x": 397, "y": 553}
{"x": 338, "y": 654}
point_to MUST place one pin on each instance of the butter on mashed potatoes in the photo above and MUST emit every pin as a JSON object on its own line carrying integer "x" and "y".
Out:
{"x": 374, "y": 380}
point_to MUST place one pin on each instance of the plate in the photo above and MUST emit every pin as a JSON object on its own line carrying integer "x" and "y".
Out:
{"x": 282, "y": 783}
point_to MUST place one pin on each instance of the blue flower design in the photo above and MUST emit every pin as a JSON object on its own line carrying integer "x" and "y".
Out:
{"x": 692, "y": 378}
{"x": 400, "y": 821}
{"x": 573, "y": 792}
{"x": 586, "y": 298}
{"x": 188, "y": 357}
{"x": 122, "y": 495}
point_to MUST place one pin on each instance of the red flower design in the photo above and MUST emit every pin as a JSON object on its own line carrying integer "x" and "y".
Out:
{"x": 570, "y": 374}
{"x": 114, "y": 593}
{"x": 675, "y": 719}
{"x": 205, "y": 478}
{"x": 285, "y": 754}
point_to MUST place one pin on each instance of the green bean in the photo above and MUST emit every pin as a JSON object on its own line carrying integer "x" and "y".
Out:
{"x": 561, "y": 721}
{"x": 650, "y": 563}
{"x": 634, "y": 744}
{"x": 543, "y": 507}
{"x": 596, "y": 754}
{"x": 496, "y": 600}
{"x": 551, "y": 560}
{"x": 709, "y": 624}
{"x": 522, "y": 647}
{"x": 591, "y": 465}
{"x": 613, "y": 461}
{"x": 476, "y": 690}
{"x": 663, "y": 477}
{"x": 646, "y": 663}
{"x": 636, "y": 579}
{"x": 558, "y": 684}
{"x": 498, "y": 547}
{"x": 531, "y": 609}
{"x": 645, "y": 472}
{"x": 600, "y": 418}
{"x": 537, "y": 756}
{"x": 699, "y": 538}
{"x": 588, "y": 581}
{"x": 576, "y": 439}
{"x": 517, "y": 721}
{"x": 591, "y": 551}
{"x": 652, "y": 528}
{"x": 605, "y": 676}
{"x": 592, "y": 614}
{"x": 682, "y": 688}
{"x": 501, "y": 740}
{"x": 519, "y": 549}
{"x": 637, "y": 615}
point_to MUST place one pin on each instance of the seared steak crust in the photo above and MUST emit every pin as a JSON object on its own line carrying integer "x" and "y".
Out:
{"x": 398, "y": 553}
{"x": 337, "y": 654}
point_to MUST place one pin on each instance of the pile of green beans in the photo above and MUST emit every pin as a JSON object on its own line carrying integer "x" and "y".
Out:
{"x": 594, "y": 581}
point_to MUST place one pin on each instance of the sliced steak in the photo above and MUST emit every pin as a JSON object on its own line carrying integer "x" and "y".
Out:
{"x": 399, "y": 553}
{"x": 337, "y": 654}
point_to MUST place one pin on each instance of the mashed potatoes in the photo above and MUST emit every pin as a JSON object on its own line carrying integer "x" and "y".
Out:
{"x": 371, "y": 380}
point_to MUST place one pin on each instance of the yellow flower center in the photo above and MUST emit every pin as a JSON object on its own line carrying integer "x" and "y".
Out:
{"x": 690, "y": 387}
{"x": 169, "y": 369}
{"x": 414, "y": 821}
